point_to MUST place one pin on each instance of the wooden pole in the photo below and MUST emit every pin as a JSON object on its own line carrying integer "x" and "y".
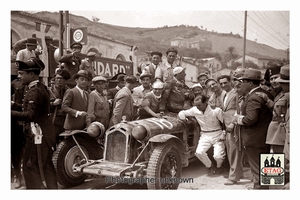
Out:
{"x": 245, "y": 31}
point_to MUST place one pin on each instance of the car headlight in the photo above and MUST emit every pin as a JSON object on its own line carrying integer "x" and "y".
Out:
{"x": 139, "y": 132}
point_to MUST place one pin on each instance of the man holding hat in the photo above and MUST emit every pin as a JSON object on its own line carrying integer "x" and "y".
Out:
{"x": 88, "y": 63}
{"x": 98, "y": 106}
{"x": 57, "y": 93}
{"x": 28, "y": 52}
{"x": 175, "y": 92}
{"x": 139, "y": 92}
{"x": 38, "y": 129}
{"x": 75, "y": 102}
{"x": 254, "y": 121}
{"x": 123, "y": 103}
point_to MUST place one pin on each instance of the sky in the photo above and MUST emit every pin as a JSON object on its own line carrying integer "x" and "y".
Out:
{"x": 268, "y": 27}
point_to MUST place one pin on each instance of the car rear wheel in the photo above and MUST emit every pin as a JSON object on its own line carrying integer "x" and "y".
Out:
{"x": 66, "y": 155}
{"x": 164, "y": 167}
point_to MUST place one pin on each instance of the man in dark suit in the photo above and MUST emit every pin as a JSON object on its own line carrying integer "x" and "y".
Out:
{"x": 75, "y": 102}
{"x": 254, "y": 122}
{"x": 123, "y": 102}
{"x": 38, "y": 129}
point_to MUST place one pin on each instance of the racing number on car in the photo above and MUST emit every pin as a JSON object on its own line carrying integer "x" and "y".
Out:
{"x": 161, "y": 123}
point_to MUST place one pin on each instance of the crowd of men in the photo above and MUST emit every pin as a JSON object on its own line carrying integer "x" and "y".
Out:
{"x": 238, "y": 115}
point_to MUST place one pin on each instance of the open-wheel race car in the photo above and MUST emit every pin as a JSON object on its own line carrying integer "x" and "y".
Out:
{"x": 152, "y": 150}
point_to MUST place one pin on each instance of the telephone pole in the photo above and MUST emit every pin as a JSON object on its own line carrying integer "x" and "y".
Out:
{"x": 245, "y": 31}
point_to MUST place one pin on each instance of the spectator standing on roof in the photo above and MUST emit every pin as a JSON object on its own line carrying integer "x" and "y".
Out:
{"x": 25, "y": 54}
{"x": 88, "y": 64}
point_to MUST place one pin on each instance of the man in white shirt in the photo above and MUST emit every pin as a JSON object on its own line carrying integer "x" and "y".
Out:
{"x": 212, "y": 134}
{"x": 165, "y": 71}
{"x": 28, "y": 52}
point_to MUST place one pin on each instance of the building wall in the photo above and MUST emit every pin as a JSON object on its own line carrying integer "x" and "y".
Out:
{"x": 23, "y": 26}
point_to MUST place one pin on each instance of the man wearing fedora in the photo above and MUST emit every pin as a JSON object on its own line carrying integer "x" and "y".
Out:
{"x": 29, "y": 51}
{"x": 139, "y": 92}
{"x": 254, "y": 121}
{"x": 38, "y": 129}
{"x": 75, "y": 102}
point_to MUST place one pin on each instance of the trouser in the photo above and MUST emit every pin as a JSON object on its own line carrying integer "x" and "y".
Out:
{"x": 31, "y": 171}
{"x": 17, "y": 144}
{"x": 234, "y": 158}
{"x": 206, "y": 141}
{"x": 253, "y": 155}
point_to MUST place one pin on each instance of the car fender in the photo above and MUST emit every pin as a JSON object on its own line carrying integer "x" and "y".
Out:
{"x": 161, "y": 138}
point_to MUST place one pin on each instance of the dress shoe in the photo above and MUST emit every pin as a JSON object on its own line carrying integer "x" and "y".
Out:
{"x": 230, "y": 182}
{"x": 212, "y": 170}
{"x": 219, "y": 170}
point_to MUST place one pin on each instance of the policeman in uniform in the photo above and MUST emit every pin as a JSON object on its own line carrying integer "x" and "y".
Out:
{"x": 38, "y": 129}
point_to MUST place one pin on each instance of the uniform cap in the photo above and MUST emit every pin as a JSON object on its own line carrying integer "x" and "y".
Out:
{"x": 76, "y": 44}
{"x": 196, "y": 85}
{"x": 31, "y": 41}
{"x": 145, "y": 73}
{"x": 33, "y": 64}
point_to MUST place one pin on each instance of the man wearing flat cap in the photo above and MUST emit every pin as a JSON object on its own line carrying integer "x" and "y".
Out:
{"x": 254, "y": 120}
{"x": 38, "y": 129}
{"x": 98, "y": 107}
{"x": 57, "y": 93}
{"x": 123, "y": 102}
{"x": 75, "y": 102}
{"x": 88, "y": 63}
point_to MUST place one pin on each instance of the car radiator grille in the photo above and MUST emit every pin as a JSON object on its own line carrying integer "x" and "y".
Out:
{"x": 116, "y": 147}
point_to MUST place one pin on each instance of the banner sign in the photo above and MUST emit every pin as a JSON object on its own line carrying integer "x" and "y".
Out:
{"x": 111, "y": 67}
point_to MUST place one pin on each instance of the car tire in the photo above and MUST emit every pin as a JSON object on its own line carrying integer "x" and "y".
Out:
{"x": 66, "y": 155}
{"x": 164, "y": 167}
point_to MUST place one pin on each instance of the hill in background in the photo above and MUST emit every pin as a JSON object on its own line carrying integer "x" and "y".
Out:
{"x": 149, "y": 39}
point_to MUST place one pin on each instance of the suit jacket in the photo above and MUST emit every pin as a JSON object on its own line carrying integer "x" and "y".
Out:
{"x": 257, "y": 117}
{"x": 123, "y": 106}
{"x": 111, "y": 93}
{"x": 73, "y": 102}
{"x": 229, "y": 107}
{"x": 36, "y": 108}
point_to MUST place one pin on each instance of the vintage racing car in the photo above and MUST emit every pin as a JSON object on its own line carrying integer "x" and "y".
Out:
{"x": 152, "y": 151}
